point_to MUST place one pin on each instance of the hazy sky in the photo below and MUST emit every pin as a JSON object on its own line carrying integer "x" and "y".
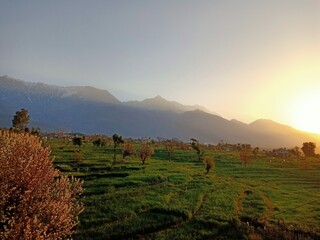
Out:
{"x": 243, "y": 59}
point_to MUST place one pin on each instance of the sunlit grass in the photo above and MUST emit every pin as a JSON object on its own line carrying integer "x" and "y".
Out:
{"x": 176, "y": 199}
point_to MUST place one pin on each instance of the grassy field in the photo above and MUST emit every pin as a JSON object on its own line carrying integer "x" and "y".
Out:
{"x": 268, "y": 199}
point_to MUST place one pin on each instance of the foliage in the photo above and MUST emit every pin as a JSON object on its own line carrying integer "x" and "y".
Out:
{"x": 296, "y": 151}
{"x": 128, "y": 149}
{"x": 255, "y": 151}
{"x": 36, "y": 201}
{"x": 78, "y": 156}
{"x": 117, "y": 140}
{"x": 77, "y": 141}
{"x": 245, "y": 156}
{"x": 20, "y": 120}
{"x": 209, "y": 163}
{"x": 170, "y": 147}
{"x": 196, "y": 146}
{"x": 98, "y": 142}
{"x": 308, "y": 149}
{"x": 145, "y": 152}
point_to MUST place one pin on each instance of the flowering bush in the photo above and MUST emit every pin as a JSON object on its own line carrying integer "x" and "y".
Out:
{"x": 36, "y": 200}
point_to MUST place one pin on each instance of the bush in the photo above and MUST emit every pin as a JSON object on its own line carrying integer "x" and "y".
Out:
{"x": 145, "y": 152}
{"x": 210, "y": 164}
{"x": 78, "y": 157}
{"x": 36, "y": 200}
{"x": 128, "y": 149}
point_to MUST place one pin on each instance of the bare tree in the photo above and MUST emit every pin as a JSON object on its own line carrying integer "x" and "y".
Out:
{"x": 245, "y": 155}
{"x": 145, "y": 152}
{"x": 170, "y": 147}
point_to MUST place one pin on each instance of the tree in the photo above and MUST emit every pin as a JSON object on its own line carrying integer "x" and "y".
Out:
{"x": 296, "y": 151}
{"x": 209, "y": 163}
{"x": 128, "y": 149}
{"x": 117, "y": 140}
{"x": 77, "y": 141}
{"x": 21, "y": 120}
{"x": 308, "y": 149}
{"x": 145, "y": 152}
{"x": 245, "y": 155}
{"x": 255, "y": 151}
{"x": 97, "y": 142}
{"x": 170, "y": 147}
{"x": 36, "y": 200}
{"x": 196, "y": 146}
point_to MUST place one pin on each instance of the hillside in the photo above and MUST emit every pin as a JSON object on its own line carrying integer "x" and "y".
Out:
{"x": 90, "y": 110}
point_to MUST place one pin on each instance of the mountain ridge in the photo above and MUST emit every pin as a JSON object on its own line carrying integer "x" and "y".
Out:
{"x": 90, "y": 110}
{"x": 162, "y": 104}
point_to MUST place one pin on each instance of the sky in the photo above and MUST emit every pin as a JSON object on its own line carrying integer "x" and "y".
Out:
{"x": 247, "y": 59}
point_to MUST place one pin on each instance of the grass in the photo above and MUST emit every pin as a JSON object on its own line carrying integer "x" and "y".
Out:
{"x": 269, "y": 198}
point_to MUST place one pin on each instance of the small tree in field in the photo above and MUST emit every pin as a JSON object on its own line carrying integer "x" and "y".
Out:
{"x": 20, "y": 120}
{"x": 308, "y": 149}
{"x": 245, "y": 156}
{"x": 77, "y": 141}
{"x": 255, "y": 151}
{"x": 117, "y": 140}
{"x": 170, "y": 146}
{"x": 196, "y": 146}
{"x": 97, "y": 142}
{"x": 145, "y": 152}
{"x": 209, "y": 163}
{"x": 36, "y": 200}
{"x": 128, "y": 149}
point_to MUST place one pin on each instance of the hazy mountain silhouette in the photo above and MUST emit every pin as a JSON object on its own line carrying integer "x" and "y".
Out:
{"x": 161, "y": 104}
{"x": 90, "y": 110}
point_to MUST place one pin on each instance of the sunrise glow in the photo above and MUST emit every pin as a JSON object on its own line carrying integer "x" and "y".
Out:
{"x": 305, "y": 112}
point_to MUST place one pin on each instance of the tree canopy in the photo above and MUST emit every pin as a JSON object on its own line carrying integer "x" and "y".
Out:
{"x": 21, "y": 120}
{"x": 308, "y": 149}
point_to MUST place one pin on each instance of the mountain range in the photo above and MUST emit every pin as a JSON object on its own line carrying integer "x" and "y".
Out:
{"x": 90, "y": 110}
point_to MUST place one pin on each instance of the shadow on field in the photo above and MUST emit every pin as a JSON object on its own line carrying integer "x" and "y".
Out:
{"x": 158, "y": 219}
{"x": 104, "y": 175}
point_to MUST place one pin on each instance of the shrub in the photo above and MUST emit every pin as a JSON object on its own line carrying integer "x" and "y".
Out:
{"x": 145, "y": 152}
{"x": 77, "y": 141}
{"x": 36, "y": 200}
{"x": 128, "y": 149}
{"x": 209, "y": 163}
{"x": 245, "y": 156}
{"x": 170, "y": 146}
{"x": 78, "y": 157}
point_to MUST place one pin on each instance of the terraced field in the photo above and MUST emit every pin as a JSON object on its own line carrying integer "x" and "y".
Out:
{"x": 268, "y": 199}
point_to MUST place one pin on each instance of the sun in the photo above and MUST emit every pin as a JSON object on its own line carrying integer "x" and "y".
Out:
{"x": 306, "y": 112}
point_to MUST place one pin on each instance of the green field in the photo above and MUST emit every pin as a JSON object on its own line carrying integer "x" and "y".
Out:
{"x": 268, "y": 199}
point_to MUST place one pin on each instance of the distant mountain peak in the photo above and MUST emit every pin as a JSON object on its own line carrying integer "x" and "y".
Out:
{"x": 6, "y": 77}
{"x": 159, "y": 97}
{"x": 159, "y": 103}
{"x": 87, "y": 92}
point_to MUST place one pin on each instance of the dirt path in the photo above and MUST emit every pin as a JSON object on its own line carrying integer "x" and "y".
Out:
{"x": 238, "y": 207}
{"x": 270, "y": 209}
